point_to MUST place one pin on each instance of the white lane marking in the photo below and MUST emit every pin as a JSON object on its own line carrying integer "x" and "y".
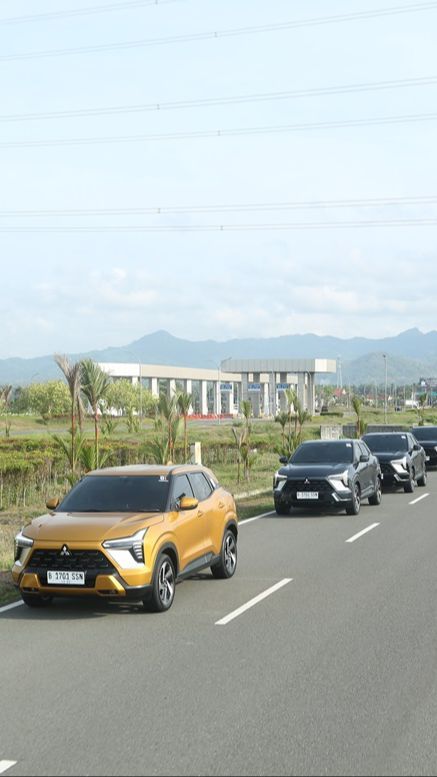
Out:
{"x": 255, "y": 518}
{"x": 253, "y": 602}
{"x": 4, "y": 765}
{"x": 364, "y": 531}
{"x": 10, "y": 607}
{"x": 419, "y": 499}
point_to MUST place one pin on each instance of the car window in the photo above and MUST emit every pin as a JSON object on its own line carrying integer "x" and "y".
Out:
{"x": 387, "y": 443}
{"x": 181, "y": 487}
{"x": 323, "y": 453}
{"x": 425, "y": 433}
{"x": 364, "y": 451}
{"x": 117, "y": 494}
{"x": 201, "y": 486}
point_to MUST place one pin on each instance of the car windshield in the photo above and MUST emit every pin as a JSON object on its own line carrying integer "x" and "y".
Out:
{"x": 386, "y": 443}
{"x": 114, "y": 494}
{"x": 426, "y": 433}
{"x": 323, "y": 453}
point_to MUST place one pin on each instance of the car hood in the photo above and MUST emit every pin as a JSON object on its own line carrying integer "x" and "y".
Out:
{"x": 390, "y": 455}
{"x": 88, "y": 527}
{"x": 298, "y": 471}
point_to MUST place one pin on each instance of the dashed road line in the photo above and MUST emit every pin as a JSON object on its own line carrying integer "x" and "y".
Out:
{"x": 235, "y": 614}
{"x": 364, "y": 531}
{"x": 255, "y": 518}
{"x": 419, "y": 499}
{"x": 10, "y": 607}
{"x": 5, "y": 765}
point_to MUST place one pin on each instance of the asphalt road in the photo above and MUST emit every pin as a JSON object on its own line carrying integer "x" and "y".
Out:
{"x": 332, "y": 672}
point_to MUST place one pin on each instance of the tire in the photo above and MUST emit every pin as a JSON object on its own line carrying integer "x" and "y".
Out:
{"x": 225, "y": 568}
{"x": 282, "y": 509}
{"x": 354, "y": 507}
{"x": 375, "y": 499}
{"x": 36, "y": 600}
{"x": 410, "y": 484}
{"x": 163, "y": 586}
{"x": 422, "y": 480}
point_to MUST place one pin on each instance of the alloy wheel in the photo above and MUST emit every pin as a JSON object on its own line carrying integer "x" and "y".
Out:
{"x": 230, "y": 553}
{"x": 166, "y": 583}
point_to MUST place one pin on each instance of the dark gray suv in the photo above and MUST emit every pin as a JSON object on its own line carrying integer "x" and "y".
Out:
{"x": 328, "y": 474}
{"x": 402, "y": 458}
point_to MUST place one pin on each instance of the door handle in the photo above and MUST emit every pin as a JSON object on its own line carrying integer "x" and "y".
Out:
{"x": 221, "y": 504}
{"x": 200, "y": 513}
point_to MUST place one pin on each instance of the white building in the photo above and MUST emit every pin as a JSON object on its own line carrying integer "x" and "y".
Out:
{"x": 220, "y": 391}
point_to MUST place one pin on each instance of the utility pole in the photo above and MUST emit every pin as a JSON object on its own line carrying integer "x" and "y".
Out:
{"x": 385, "y": 388}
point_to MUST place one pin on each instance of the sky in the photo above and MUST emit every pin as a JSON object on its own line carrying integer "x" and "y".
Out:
{"x": 207, "y": 234}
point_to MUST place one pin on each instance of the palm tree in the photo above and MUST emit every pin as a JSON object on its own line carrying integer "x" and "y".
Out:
{"x": 356, "y": 404}
{"x": 72, "y": 374}
{"x": 184, "y": 405}
{"x": 5, "y": 398}
{"x": 169, "y": 411}
{"x": 293, "y": 406}
{"x": 282, "y": 418}
{"x": 95, "y": 385}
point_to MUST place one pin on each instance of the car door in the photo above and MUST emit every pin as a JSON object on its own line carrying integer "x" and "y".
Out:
{"x": 188, "y": 525}
{"x": 369, "y": 467}
{"x": 362, "y": 468}
{"x": 209, "y": 505}
{"x": 417, "y": 455}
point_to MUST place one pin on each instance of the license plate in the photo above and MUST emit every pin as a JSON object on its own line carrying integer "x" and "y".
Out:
{"x": 307, "y": 494}
{"x": 65, "y": 578}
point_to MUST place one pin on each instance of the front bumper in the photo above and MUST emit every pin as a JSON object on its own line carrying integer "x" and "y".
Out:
{"x": 103, "y": 577}
{"x": 327, "y": 496}
{"x": 390, "y": 476}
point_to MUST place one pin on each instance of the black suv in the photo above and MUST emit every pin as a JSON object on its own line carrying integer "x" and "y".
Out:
{"x": 328, "y": 474}
{"x": 402, "y": 458}
{"x": 427, "y": 436}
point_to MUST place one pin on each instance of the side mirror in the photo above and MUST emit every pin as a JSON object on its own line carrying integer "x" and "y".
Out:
{"x": 188, "y": 503}
{"x": 416, "y": 447}
{"x": 283, "y": 460}
{"x": 52, "y": 504}
{"x": 364, "y": 457}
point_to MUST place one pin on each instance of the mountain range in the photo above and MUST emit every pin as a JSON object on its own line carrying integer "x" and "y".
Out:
{"x": 410, "y": 355}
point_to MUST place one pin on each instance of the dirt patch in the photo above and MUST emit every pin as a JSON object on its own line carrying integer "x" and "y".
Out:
{"x": 8, "y": 592}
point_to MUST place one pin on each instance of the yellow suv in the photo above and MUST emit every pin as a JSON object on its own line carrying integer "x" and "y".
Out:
{"x": 128, "y": 533}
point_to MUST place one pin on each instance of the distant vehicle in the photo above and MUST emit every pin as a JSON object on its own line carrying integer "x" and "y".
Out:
{"x": 402, "y": 458}
{"x": 328, "y": 474}
{"x": 128, "y": 533}
{"x": 427, "y": 436}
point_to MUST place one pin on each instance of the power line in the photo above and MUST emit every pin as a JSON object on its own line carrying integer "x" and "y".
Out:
{"x": 224, "y": 227}
{"x": 233, "y": 32}
{"x": 215, "y": 101}
{"x": 222, "y": 133}
{"x": 73, "y": 12}
{"x": 232, "y": 208}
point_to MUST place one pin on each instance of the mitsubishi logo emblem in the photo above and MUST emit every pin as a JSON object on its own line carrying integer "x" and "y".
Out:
{"x": 65, "y": 551}
{"x": 307, "y": 482}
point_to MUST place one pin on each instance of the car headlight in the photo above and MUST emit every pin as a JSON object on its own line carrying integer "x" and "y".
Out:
{"x": 340, "y": 482}
{"x": 133, "y": 544}
{"x": 21, "y": 542}
{"x": 400, "y": 465}
{"x": 279, "y": 480}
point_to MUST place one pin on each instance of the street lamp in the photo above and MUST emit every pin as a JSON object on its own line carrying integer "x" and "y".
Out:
{"x": 384, "y": 356}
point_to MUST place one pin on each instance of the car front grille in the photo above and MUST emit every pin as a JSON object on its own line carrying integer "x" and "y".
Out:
{"x": 323, "y": 487}
{"x": 92, "y": 562}
{"x": 386, "y": 468}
